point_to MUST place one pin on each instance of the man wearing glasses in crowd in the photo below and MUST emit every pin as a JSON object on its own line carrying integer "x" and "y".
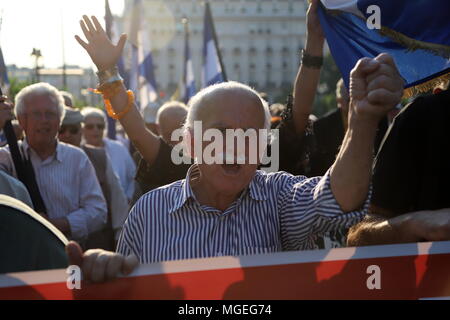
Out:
{"x": 65, "y": 177}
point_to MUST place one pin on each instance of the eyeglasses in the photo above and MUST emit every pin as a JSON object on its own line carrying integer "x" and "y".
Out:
{"x": 91, "y": 126}
{"x": 46, "y": 115}
{"x": 72, "y": 129}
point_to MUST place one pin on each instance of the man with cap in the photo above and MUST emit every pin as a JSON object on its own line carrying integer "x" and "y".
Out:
{"x": 70, "y": 131}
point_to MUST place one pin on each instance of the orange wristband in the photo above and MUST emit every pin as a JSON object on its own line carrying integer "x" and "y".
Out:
{"x": 120, "y": 115}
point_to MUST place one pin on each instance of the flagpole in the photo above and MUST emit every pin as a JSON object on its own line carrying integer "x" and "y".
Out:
{"x": 216, "y": 41}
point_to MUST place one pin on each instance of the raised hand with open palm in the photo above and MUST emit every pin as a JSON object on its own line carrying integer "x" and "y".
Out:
{"x": 102, "y": 51}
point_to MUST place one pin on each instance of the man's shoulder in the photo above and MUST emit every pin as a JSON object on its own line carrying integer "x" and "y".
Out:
{"x": 71, "y": 152}
{"x": 113, "y": 144}
{"x": 8, "y": 181}
{"x": 276, "y": 179}
{"x": 165, "y": 195}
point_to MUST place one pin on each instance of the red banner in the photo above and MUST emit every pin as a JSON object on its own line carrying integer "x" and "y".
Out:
{"x": 405, "y": 271}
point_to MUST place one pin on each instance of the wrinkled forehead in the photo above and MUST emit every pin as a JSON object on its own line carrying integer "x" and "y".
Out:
{"x": 232, "y": 109}
{"x": 40, "y": 101}
{"x": 94, "y": 118}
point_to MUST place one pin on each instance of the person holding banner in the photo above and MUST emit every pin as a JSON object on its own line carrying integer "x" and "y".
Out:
{"x": 233, "y": 209}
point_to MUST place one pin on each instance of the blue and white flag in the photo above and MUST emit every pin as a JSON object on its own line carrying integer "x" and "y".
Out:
{"x": 188, "y": 69}
{"x": 142, "y": 76}
{"x": 416, "y": 33}
{"x": 212, "y": 71}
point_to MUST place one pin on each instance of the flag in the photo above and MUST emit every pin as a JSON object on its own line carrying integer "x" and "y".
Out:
{"x": 213, "y": 70}
{"x": 142, "y": 77}
{"x": 188, "y": 69}
{"x": 415, "y": 33}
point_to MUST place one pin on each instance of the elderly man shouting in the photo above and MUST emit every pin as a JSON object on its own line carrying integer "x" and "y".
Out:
{"x": 234, "y": 209}
{"x": 65, "y": 176}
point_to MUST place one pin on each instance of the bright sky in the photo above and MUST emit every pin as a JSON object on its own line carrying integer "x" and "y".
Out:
{"x": 29, "y": 24}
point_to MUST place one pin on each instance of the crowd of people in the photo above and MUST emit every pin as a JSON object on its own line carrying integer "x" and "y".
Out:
{"x": 355, "y": 176}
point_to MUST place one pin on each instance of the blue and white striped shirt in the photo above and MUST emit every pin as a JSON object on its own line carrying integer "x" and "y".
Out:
{"x": 278, "y": 211}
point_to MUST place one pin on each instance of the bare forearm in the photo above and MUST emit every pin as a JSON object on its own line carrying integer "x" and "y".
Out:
{"x": 133, "y": 123}
{"x": 381, "y": 232}
{"x": 351, "y": 172}
{"x": 305, "y": 87}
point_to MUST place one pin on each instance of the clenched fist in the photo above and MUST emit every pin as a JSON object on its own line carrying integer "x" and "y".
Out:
{"x": 375, "y": 87}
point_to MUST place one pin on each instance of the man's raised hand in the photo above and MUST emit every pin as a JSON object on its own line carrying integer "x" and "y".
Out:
{"x": 375, "y": 87}
{"x": 103, "y": 53}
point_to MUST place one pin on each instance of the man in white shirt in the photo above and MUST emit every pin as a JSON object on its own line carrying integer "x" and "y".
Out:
{"x": 65, "y": 176}
{"x": 122, "y": 163}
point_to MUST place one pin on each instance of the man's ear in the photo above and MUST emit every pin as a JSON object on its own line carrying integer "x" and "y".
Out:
{"x": 22, "y": 121}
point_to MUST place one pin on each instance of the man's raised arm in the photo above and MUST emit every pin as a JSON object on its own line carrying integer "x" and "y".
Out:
{"x": 308, "y": 74}
{"x": 105, "y": 55}
{"x": 375, "y": 88}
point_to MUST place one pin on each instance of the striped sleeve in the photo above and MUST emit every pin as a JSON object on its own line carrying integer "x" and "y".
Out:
{"x": 308, "y": 208}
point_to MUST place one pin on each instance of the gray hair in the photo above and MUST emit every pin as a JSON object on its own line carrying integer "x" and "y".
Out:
{"x": 171, "y": 105}
{"x": 88, "y": 112}
{"x": 196, "y": 101}
{"x": 40, "y": 89}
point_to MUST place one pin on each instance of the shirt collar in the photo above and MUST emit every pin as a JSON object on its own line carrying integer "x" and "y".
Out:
{"x": 58, "y": 152}
{"x": 257, "y": 189}
{"x": 186, "y": 190}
